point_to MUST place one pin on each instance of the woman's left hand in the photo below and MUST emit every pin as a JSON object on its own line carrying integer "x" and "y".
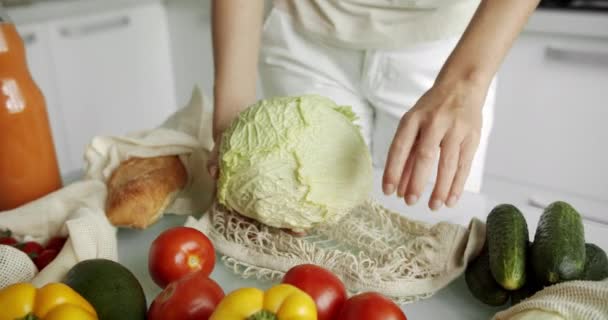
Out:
{"x": 445, "y": 122}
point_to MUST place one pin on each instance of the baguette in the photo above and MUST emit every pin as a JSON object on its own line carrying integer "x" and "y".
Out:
{"x": 140, "y": 190}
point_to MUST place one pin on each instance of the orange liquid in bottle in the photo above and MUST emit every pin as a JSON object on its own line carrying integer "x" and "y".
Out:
{"x": 28, "y": 163}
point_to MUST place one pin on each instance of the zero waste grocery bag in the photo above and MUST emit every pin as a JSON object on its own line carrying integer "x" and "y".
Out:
{"x": 573, "y": 300}
{"x": 78, "y": 210}
{"x": 75, "y": 211}
{"x": 186, "y": 133}
{"x": 371, "y": 249}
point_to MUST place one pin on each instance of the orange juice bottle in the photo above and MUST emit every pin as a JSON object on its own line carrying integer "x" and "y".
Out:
{"x": 28, "y": 163}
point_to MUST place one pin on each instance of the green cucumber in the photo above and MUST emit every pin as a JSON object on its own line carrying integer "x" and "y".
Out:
{"x": 525, "y": 292}
{"x": 596, "y": 263}
{"x": 481, "y": 283}
{"x": 530, "y": 287}
{"x": 558, "y": 251}
{"x": 507, "y": 236}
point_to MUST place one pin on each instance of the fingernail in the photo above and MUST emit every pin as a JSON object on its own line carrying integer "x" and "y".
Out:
{"x": 452, "y": 201}
{"x": 436, "y": 204}
{"x": 411, "y": 199}
{"x": 400, "y": 193}
{"x": 389, "y": 189}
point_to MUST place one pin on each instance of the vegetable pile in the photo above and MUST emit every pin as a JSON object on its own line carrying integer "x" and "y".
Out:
{"x": 294, "y": 162}
{"x": 307, "y": 292}
{"x": 181, "y": 261}
{"x": 512, "y": 267}
{"x": 40, "y": 254}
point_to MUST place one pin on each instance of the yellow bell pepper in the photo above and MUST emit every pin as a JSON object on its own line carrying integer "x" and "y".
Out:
{"x": 55, "y": 301}
{"x": 280, "y": 302}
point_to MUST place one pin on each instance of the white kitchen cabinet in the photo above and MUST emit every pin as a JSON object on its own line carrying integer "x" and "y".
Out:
{"x": 113, "y": 73}
{"x": 550, "y": 126}
{"x": 36, "y": 41}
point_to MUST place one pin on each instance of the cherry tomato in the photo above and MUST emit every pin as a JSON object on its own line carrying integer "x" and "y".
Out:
{"x": 324, "y": 287}
{"x": 6, "y": 237}
{"x": 45, "y": 257}
{"x": 56, "y": 243}
{"x": 31, "y": 248}
{"x": 193, "y": 297}
{"x": 370, "y": 306}
{"x": 177, "y": 252}
{"x": 9, "y": 241}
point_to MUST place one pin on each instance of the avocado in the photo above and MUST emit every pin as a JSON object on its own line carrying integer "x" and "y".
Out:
{"x": 596, "y": 263}
{"x": 558, "y": 251}
{"x": 507, "y": 236}
{"x": 110, "y": 287}
{"x": 481, "y": 283}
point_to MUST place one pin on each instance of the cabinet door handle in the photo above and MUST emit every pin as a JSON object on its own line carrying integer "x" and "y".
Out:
{"x": 96, "y": 27}
{"x": 29, "y": 38}
{"x": 593, "y": 56}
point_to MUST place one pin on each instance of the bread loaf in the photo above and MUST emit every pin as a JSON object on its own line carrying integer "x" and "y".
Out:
{"x": 140, "y": 189}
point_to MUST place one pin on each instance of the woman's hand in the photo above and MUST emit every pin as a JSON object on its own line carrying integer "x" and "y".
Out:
{"x": 212, "y": 163}
{"x": 221, "y": 121}
{"x": 445, "y": 123}
{"x": 223, "y": 116}
{"x": 448, "y": 116}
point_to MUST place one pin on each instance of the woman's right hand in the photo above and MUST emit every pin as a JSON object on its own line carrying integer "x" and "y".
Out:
{"x": 222, "y": 118}
{"x": 223, "y": 115}
{"x": 236, "y": 30}
{"x": 212, "y": 163}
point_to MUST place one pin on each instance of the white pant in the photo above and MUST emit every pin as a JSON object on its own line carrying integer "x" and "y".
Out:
{"x": 380, "y": 85}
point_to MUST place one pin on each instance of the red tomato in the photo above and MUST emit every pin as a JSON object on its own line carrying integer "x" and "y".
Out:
{"x": 371, "y": 306}
{"x": 45, "y": 258}
{"x": 324, "y": 287}
{"x": 177, "y": 252}
{"x": 193, "y": 297}
{"x": 56, "y": 243}
{"x": 31, "y": 248}
{"x": 9, "y": 241}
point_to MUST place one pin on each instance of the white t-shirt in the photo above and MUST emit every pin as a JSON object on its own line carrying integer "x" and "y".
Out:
{"x": 380, "y": 24}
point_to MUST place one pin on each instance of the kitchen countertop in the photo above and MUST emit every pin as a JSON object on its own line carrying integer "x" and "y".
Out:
{"x": 453, "y": 302}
